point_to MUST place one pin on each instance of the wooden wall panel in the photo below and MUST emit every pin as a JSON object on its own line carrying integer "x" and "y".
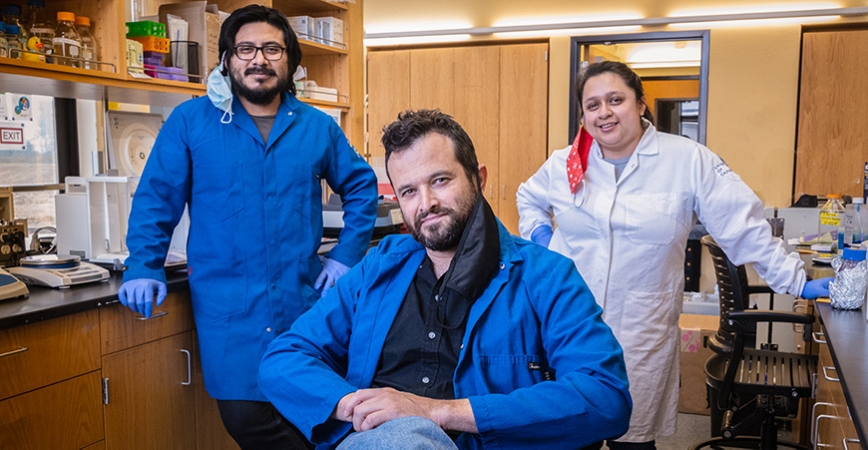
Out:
{"x": 388, "y": 93}
{"x": 499, "y": 94}
{"x": 832, "y": 141}
{"x": 524, "y": 72}
{"x": 477, "y": 102}
{"x": 432, "y": 79}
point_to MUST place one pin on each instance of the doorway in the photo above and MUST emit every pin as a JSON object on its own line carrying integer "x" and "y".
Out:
{"x": 673, "y": 67}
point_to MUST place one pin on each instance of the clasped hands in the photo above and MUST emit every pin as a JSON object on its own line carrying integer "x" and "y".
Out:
{"x": 370, "y": 408}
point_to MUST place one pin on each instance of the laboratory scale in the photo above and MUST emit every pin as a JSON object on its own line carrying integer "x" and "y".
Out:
{"x": 57, "y": 271}
{"x": 11, "y": 287}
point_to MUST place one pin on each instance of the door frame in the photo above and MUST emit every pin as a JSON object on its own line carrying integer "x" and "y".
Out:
{"x": 575, "y": 61}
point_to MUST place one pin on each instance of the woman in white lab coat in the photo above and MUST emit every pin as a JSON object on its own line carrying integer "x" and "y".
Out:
{"x": 624, "y": 210}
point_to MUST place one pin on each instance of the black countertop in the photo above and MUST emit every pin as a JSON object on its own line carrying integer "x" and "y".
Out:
{"x": 847, "y": 337}
{"x": 48, "y": 303}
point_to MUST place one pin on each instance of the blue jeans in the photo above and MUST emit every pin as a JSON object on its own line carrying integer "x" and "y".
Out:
{"x": 405, "y": 433}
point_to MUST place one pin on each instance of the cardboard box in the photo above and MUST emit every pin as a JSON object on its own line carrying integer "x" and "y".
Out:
{"x": 329, "y": 31}
{"x": 302, "y": 26}
{"x": 204, "y": 28}
{"x": 695, "y": 331}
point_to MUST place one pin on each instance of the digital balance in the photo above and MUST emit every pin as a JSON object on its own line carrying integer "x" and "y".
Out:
{"x": 57, "y": 271}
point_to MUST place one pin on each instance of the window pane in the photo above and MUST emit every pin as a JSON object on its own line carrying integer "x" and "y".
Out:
{"x": 34, "y": 165}
{"x": 37, "y": 207}
{"x": 37, "y": 163}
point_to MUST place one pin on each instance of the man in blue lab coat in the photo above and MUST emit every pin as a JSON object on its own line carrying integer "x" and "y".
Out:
{"x": 459, "y": 332}
{"x": 247, "y": 160}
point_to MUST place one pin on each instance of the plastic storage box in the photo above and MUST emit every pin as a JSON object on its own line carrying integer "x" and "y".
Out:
{"x": 153, "y": 44}
{"x": 146, "y": 28}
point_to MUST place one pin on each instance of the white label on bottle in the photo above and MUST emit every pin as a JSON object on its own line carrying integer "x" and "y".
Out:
{"x": 67, "y": 41}
{"x": 87, "y": 54}
{"x": 38, "y": 31}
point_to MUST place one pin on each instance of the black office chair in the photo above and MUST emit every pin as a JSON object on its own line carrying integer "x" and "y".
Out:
{"x": 754, "y": 385}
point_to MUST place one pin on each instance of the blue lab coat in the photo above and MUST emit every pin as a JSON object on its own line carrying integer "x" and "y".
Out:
{"x": 536, "y": 315}
{"x": 255, "y": 225}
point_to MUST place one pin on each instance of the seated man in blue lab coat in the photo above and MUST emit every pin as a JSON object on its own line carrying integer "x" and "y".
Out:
{"x": 459, "y": 335}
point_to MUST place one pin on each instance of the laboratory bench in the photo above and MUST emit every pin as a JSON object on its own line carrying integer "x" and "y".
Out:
{"x": 47, "y": 303}
{"x": 841, "y": 413}
{"x": 80, "y": 371}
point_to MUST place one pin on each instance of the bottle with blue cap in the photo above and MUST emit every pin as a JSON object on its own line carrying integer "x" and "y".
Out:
{"x": 12, "y": 41}
{"x": 12, "y": 16}
{"x": 4, "y": 44}
{"x": 848, "y": 289}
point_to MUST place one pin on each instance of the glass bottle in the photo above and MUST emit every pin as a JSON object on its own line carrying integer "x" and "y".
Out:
{"x": 854, "y": 221}
{"x": 831, "y": 219}
{"x": 88, "y": 43}
{"x": 12, "y": 41}
{"x": 67, "y": 42}
{"x": 12, "y": 16}
{"x": 4, "y": 50}
{"x": 41, "y": 26}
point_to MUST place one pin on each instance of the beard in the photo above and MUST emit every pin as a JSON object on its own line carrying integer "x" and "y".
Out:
{"x": 259, "y": 95}
{"x": 446, "y": 234}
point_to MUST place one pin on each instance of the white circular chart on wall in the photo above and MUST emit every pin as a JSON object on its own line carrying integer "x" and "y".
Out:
{"x": 135, "y": 146}
{"x": 133, "y": 136}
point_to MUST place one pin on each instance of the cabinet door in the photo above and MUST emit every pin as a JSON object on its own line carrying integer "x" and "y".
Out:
{"x": 477, "y": 102}
{"x": 42, "y": 353}
{"x": 832, "y": 141}
{"x": 65, "y": 415}
{"x": 524, "y": 74}
{"x": 432, "y": 79}
{"x": 388, "y": 94}
{"x": 120, "y": 328}
{"x": 151, "y": 400}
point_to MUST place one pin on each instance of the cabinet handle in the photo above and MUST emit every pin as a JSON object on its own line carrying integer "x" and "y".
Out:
{"x": 189, "y": 372}
{"x": 816, "y": 339}
{"x": 814, "y": 419}
{"x": 10, "y": 353}
{"x": 817, "y": 443}
{"x": 826, "y": 376}
{"x": 846, "y": 441}
{"x": 153, "y": 316}
{"x": 503, "y": 191}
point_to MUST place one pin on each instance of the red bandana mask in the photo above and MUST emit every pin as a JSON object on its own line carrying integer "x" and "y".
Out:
{"x": 577, "y": 161}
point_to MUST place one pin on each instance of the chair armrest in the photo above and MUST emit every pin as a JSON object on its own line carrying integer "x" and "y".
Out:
{"x": 769, "y": 316}
{"x": 760, "y": 289}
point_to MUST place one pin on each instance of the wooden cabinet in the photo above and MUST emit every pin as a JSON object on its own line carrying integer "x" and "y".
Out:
{"x": 107, "y": 379}
{"x": 48, "y": 352}
{"x": 50, "y": 384}
{"x": 831, "y": 149}
{"x": 498, "y": 93}
{"x": 832, "y": 423}
{"x": 341, "y": 68}
{"x": 150, "y": 395}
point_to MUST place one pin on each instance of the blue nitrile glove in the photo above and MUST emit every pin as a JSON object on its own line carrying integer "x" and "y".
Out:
{"x": 816, "y": 288}
{"x": 331, "y": 271}
{"x": 138, "y": 294}
{"x": 542, "y": 235}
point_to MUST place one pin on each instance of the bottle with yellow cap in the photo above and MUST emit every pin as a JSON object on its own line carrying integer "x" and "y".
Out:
{"x": 67, "y": 42}
{"x": 831, "y": 219}
{"x": 88, "y": 43}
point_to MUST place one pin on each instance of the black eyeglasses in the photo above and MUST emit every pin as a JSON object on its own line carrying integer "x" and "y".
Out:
{"x": 269, "y": 52}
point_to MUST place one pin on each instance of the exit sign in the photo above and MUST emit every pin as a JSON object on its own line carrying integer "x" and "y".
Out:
{"x": 11, "y": 138}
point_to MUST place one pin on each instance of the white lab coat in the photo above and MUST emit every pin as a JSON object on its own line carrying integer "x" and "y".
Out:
{"x": 628, "y": 239}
